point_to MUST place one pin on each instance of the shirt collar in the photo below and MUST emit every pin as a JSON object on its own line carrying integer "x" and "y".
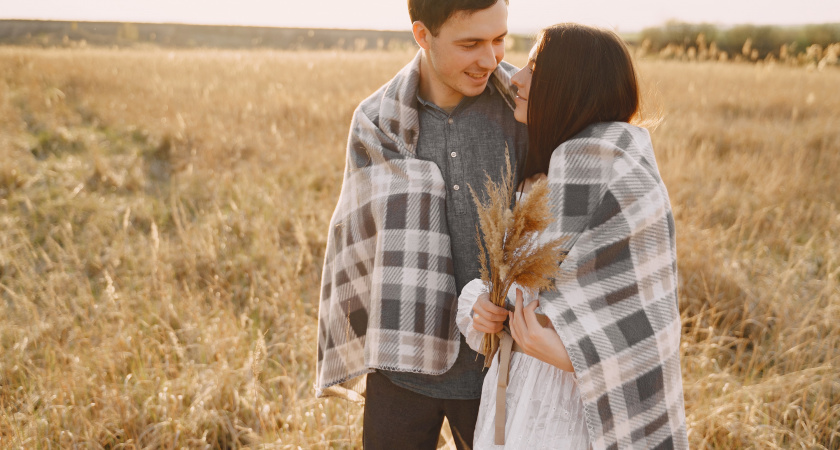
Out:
{"x": 489, "y": 89}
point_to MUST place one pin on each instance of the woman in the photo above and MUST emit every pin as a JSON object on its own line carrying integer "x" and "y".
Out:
{"x": 604, "y": 369}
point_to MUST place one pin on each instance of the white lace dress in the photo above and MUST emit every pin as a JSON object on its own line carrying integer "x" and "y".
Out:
{"x": 543, "y": 405}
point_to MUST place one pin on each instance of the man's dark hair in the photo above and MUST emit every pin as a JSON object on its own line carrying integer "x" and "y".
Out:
{"x": 434, "y": 13}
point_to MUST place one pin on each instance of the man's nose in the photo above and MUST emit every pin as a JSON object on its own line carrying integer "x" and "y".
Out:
{"x": 488, "y": 58}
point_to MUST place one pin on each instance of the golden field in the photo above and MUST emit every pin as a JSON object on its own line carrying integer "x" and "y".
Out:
{"x": 163, "y": 217}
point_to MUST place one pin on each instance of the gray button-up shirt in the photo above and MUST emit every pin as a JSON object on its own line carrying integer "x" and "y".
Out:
{"x": 465, "y": 144}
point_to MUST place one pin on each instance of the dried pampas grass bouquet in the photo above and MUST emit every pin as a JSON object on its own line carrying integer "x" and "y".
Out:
{"x": 510, "y": 251}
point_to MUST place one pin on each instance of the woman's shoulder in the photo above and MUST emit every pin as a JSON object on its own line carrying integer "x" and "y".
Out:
{"x": 603, "y": 146}
{"x": 613, "y": 135}
{"x": 603, "y": 130}
{"x": 607, "y": 140}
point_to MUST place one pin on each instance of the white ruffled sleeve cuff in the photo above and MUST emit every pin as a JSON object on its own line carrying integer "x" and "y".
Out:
{"x": 464, "y": 319}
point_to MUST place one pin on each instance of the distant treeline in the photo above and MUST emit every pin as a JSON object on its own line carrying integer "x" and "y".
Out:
{"x": 80, "y": 34}
{"x": 751, "y": 42}
{"x": 805, "y": 45}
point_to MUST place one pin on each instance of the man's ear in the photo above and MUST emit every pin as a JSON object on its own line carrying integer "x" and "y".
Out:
{"x": 421, "y": 34}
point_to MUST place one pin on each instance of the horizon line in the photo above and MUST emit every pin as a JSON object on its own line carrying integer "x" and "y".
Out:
{"x": 408, "y": 30}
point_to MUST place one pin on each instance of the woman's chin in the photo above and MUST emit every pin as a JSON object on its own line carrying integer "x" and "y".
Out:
{"x": 520, "y": 116}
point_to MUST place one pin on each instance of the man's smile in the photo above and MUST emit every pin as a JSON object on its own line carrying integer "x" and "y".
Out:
{"x": 478, "y": 76}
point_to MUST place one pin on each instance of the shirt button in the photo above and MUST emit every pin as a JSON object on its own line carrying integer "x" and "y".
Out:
{"x": 456, "y": 187}
{"x": 451, "y": 121}
{"x": 453, "y": 154}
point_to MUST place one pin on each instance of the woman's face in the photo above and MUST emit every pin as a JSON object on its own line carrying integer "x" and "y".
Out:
{"x": 522, "y": 81}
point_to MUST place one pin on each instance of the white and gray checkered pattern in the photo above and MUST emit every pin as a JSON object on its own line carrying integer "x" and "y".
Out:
{"x": 388, "y": 294}
{"x": 615, "y": 306}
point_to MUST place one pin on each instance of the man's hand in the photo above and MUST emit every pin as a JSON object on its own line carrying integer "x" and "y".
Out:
{"x": 541, "y": 343}
{"x": 487, "y": 317}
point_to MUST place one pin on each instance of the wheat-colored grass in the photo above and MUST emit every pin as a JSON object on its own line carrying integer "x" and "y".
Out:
{"x": 163, "y": 217}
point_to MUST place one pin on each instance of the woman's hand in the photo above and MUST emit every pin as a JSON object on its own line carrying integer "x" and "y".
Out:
{"x": 487, "y": 317}
{"x": 541, "y": 343}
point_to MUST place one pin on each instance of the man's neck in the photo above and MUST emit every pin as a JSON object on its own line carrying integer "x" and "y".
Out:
{"x": 434, "y": 91}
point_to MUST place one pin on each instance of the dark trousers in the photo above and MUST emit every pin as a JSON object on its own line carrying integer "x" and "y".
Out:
{"x": 396, "y": 418}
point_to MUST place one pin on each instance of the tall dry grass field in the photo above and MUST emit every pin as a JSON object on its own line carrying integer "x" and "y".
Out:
{"x": 162, "y": 220}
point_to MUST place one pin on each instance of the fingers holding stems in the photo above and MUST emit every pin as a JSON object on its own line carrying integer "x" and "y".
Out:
{"x": 523, "y": 321}
{"x": 487, "y": 326}
{"x": 487, "y": 317}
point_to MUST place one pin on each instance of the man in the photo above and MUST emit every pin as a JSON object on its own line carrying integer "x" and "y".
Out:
{"x": 402, "y": 243}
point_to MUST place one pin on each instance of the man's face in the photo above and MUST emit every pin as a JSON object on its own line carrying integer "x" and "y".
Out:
{"x": 467, "y": 49}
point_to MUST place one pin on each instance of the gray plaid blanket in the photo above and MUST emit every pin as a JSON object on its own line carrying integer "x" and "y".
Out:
{"x": 388, "y": 295}
{"x": 615, "y": 306}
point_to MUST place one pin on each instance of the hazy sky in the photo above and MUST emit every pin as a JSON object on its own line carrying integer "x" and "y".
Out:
{"x": 525, "y": 15}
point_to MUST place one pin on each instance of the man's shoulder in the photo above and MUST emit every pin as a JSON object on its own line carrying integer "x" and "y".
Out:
{"x": 370, "y": 106}
{"x": 394, "y": 89}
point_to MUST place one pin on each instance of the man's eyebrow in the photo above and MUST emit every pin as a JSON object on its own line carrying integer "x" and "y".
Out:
{"x": 476, "y": 39}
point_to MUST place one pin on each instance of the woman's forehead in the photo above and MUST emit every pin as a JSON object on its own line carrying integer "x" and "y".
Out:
{"x": 532, "y": 56}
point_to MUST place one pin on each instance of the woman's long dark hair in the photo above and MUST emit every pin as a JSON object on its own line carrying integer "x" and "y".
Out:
{"x": 582, "y": 75}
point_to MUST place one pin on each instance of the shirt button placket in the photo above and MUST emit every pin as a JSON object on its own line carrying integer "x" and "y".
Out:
{"x": 457, "y": 170}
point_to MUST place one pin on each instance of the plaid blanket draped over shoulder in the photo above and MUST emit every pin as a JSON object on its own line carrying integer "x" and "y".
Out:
{"x": 388, "y": 294}
{"x": 615, "y": 304}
